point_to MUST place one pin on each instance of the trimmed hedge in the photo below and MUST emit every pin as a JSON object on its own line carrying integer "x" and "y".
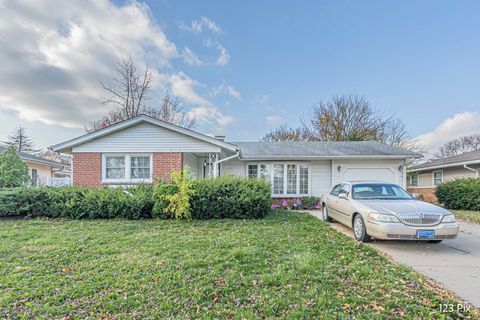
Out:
{"x": 460, "y": 194}
{"x": 77, "y": 203}
{"x": 224, "y": 197}
{"x": 230, "y": 197}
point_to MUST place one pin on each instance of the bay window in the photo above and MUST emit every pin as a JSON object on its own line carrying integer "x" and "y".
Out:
{"x": 287, "y": 179}
{"x": 278, "y": 178}
{"x": 303, "y": 176}
{"x": 126, "y": 168}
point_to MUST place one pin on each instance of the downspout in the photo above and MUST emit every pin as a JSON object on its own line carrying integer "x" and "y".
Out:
{"x": 216, "y": 163}
{"x": 471, "y": 169}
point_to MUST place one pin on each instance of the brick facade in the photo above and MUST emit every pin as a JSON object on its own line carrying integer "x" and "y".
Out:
{"x": 164, "y": 163}
{"x": 87, "y": 167}
{"x": 427, "y": 194}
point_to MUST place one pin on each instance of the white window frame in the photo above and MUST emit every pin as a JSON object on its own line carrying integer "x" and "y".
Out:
{"x": 284, "y": 163}
{"x": 411, "y": 179}
{"x": 128, "y": 178}
{"x": 433, "y": 177}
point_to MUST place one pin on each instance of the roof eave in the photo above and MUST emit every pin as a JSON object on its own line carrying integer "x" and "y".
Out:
{"x": 69, "y": 144}
{"x": 441, "y": 166}
{"x": 366, "y": 157}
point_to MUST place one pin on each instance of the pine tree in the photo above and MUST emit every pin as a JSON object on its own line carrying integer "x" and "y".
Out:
{"x": 13, "y": 171}
{"x": 19, "y": 140}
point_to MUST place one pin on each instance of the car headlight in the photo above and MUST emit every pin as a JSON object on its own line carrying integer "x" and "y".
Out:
{"x": 380, "y": 217}
{"x": 449, "y": 218}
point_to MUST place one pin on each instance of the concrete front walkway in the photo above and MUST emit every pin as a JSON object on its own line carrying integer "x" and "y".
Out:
{"x": 453, "y": 263}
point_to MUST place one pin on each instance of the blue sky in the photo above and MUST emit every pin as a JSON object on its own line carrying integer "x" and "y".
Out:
{"x": 249, "y": 66}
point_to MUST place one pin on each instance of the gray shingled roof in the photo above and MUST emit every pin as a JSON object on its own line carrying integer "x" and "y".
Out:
{"x": 27, "y": 156}
{"x": 321, "y": 149}
{"x": 464, "y": 157}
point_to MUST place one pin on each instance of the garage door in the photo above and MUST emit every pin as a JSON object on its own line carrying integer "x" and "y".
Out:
{"x": 377, "y": 174}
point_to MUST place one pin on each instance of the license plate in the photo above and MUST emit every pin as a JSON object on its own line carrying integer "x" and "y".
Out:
{"x": 426, "y": 234}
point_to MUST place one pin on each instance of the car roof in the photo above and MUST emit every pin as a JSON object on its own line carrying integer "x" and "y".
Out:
{"x": 354, "y": 182}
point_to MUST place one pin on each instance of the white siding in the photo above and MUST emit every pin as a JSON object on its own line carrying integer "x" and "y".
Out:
{"x": 391, "y": 165}
{"x": 234, "y": 167}
{"x": 145, "y": 137}
{"x": 320, "y": 177}
{"x": 189, "y": 159}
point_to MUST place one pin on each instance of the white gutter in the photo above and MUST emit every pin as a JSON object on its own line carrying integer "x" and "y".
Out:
{"x": 471, "y": 169}
{"x": 441, "y": 166}
{"x": 216, "y": 163}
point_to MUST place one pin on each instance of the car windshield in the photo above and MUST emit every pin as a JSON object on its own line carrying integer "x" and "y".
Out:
{"x": 379, "y": 191}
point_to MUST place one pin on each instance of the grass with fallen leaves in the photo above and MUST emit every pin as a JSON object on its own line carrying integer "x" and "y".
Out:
{"x": 286, "y": 265}
{"x": 470, "y": 216}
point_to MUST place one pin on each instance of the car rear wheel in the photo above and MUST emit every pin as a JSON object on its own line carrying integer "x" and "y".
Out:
{"x": 325, "y": 216}
{"x": 359, "y": 230}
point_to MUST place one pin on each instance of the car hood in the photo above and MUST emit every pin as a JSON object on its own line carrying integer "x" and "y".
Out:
{"x": 402, "y": 206}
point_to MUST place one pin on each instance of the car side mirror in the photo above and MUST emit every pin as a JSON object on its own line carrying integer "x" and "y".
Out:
{"x": 343, "y": 195}
{"x": 415, "y": 196}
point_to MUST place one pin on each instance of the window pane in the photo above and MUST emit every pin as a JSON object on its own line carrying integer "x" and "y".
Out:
{"x": 252, "y": 171}
{"x": 303, "y": 179}
{"x": 115, "y": 167}
{"x": 264, "y": 172}
{"x": 291, "y": 179}
{"x": 414, "y": 180}
{"x": 437, "y": 178}
{"x": 278, "y": 170}
{"x": 140, "y": 167}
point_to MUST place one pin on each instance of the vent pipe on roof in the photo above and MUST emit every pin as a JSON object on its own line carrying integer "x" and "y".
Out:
{"x": 221, "y": 138}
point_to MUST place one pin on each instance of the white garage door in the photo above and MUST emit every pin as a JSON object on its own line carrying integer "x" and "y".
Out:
{"x": 377, "y": 174}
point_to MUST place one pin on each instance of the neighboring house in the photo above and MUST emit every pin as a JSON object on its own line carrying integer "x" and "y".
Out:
{"x": 425, "y": 177}
{"x": 40, "y": 170}
{"x": 143, "y": 149}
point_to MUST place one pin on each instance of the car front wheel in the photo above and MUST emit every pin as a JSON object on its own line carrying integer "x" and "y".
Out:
{"x": 359, "y": 229}
{"x": 325, "y": 216}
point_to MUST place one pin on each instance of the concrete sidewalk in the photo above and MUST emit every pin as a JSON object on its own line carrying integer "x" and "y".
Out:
{"x": 453, "y": 263}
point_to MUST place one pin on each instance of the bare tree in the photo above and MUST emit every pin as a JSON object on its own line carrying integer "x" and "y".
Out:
{"x": 459, "y": 146}
{"x": 55, "y": 156}
{"x": 171, "y": 110}
{"x": 131, "y": 88}
{"x": 129, "y": 96}
{"x": 285, "y": 133}
{"x": 347, "y": 118}
{"x": 19, "y": 140}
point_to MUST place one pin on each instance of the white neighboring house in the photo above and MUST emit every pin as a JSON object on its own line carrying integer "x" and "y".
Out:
{"x": 143, "y": 150}
{"x": 44, "y": 171}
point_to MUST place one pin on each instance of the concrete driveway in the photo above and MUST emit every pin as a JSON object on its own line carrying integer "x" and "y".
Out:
{"x": 455, "y": 263}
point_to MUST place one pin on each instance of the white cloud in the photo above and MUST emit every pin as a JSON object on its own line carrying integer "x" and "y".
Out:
{"x": 191, "y": 58}
{"x": 199, "y": 25}
{"x": 53, "y": 52}
{"x": 233, "y": 92}
{"x": 210, "y": 115}
{"x": 223, "y": 56}
{"x": 273, "y": 120}
{"x": 185, "y": 87}
{"x": 228, "y": 89}
{"x": 461, "y": 124}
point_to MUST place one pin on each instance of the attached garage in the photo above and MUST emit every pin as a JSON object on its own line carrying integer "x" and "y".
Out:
{"x": 391, "y": 170}
{"x": 377, "y": 174}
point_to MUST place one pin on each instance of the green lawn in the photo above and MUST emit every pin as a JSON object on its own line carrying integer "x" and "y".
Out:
{"x": 287, "y": 265}
{"x": 470, "y": 216}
